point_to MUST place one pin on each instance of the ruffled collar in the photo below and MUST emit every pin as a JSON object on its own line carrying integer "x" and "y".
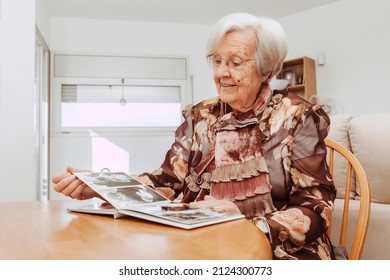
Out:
{"x": 230, "y": 120}
{"x": 236, "y": 169}
{"x": 240, "y": 173}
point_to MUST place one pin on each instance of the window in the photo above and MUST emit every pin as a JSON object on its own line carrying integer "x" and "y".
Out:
{"x": 114, "y": 106}
{"x": 114, "y": 94}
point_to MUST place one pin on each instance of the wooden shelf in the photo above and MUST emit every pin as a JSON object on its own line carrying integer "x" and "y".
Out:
{"x": 301, "y": 72}
{"x": 297, "y": 87}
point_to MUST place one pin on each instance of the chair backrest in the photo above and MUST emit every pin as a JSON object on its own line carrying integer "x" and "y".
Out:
{"x": 354, "y": 169}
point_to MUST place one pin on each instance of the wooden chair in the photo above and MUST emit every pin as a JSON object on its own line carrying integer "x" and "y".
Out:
{"x": 354, "y": 169}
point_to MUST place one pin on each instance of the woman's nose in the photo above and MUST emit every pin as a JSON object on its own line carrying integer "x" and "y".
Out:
{"x": 222, "y": 70}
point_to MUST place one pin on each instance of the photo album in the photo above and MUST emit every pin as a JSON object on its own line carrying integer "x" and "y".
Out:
{"x": 125, "y": 195}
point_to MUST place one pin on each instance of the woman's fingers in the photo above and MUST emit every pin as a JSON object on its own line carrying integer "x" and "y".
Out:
{"x": 62, "y": 181}
{"x": 80, "y": 192}
{"x": 72, "y": 185}
{"x": 215, "y": 204}
{"x": 69, "y": 185}
{"x": 57, "y": 178}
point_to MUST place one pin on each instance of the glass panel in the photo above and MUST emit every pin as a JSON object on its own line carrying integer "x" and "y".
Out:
{"x": 120, "y": 106}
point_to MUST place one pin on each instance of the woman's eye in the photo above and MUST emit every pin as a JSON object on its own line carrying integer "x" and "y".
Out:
{"x": 236, "y": 62}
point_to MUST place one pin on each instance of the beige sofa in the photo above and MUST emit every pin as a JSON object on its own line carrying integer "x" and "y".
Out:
{"x": 368, "y": 137}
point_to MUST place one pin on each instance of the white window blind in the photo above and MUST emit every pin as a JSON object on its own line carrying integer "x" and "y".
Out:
{"x": 84, "y": 106}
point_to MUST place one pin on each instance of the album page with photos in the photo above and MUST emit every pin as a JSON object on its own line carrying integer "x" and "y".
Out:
{"x": 123, "y": 194}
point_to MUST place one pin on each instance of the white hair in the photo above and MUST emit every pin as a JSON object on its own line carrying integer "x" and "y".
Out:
{"x": 271, "y": 43}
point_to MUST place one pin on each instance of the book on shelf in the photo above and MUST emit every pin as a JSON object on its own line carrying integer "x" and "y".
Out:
{"x": 125, "y": 195}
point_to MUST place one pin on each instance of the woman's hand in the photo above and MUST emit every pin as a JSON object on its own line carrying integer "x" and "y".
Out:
{"x": 210, "y": 202}
{"x": 164, "y": 191}
{"x": 69, "y": 185}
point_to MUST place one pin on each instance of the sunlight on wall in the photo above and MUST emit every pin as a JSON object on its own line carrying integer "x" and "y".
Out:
{"x": 106, "y": 154}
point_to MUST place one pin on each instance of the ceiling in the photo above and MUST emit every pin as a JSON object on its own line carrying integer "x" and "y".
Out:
{"x": 184, "y": 11}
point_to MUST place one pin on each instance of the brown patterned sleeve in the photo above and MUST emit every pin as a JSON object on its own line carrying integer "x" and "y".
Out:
{"x": 306, "y": 215}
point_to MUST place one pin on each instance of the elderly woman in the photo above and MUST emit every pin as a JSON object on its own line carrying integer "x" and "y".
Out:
{"x": 253, "y": 149}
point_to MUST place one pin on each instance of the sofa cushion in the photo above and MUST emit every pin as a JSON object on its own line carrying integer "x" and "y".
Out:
{"x": 370, "y": 135}
{"x": 339, "y": 126}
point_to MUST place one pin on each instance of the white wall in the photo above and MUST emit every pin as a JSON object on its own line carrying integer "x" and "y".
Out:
{"x": 17, "y": 44}
{"x": 355, "y": 38}
{"x": 42, "y": 18}
{"x": 138, "y": 38}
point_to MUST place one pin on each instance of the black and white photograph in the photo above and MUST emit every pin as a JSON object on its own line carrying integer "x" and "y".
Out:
{"x": 120, "y": 189}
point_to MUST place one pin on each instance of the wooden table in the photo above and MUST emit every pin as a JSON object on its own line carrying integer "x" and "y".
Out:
{"x": 44, "y": 230}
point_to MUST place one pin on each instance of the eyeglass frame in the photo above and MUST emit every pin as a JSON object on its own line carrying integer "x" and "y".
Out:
{"x": 228, "y": 62}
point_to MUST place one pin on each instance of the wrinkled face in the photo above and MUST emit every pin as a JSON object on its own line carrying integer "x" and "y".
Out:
{"x": 235, "y": 73}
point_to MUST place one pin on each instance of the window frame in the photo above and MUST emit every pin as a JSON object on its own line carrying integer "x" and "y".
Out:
{"x": 56, "y": 102}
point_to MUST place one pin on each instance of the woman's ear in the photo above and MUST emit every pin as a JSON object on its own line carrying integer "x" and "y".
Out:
{"x": 266, "y": 77}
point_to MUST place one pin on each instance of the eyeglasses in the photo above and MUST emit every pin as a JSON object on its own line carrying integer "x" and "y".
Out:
{"x": 234, "y": 63}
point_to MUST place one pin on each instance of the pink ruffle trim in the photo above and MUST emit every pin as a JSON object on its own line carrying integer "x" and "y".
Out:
{"x": 240, "y": 190}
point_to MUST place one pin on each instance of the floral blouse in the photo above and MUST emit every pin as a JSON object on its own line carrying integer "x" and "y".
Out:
{"x": 270, "y": 161}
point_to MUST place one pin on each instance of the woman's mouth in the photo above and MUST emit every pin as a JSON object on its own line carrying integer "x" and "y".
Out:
{"x": 227, "y": 85}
